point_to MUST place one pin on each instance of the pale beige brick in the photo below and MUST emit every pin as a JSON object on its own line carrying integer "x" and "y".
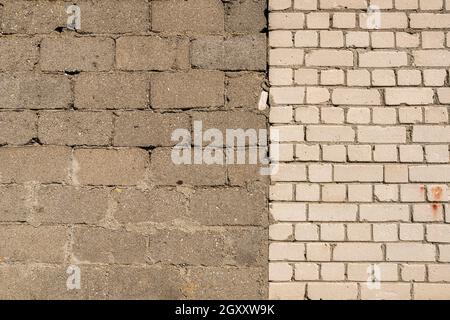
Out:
{"x": 280, "y": 231}
{"x": 431, "y": 58}
{"x": 344, "y": 20}
{"x": 307, "y": 114}
{"x": 409, "y": 96}
{"x": 444, "y": 95}
{"x": 290, "y": 172}
{"x": 326, "y": 291}
{"x": 385, "y": 153}
{"x": 429, "y": 21}
{"x": 384, "y": 78}
{"x": 287, "y": 95}
{"x": 383, "y": 4}
{"x": 331, "y": 39}
{"x": 407, "y": 40}
{"x": 340, "y": 4}
{"x": 407, "y": 251}
{"x": 406, "y": 4}
{"x": 318, "y": 252}
{"x": 431, "y": 291}
{"x": 306, "y": 271}
{"x": 332, "y": 271}
{"x": 359, "y": 153}
{"x": 280, "y": 77}
{"x": 384, "y": 212}
{"x": 332, "y": 115}
{"x": 436, "y": 115}
{"x": 334, "y": 153}
{"x": 307, "y": 192}
{"x": 386, "y": 193}
{"x": 332, "y": 77}
{"x": 280, "y": 191}
{"x": 287, "y": 251}
{"x": 436, "y": 153}
{"x": 317, "y": 95}
{"x": 433, "y": 39}
{"x": 332, "y": 212}
{"x": 306, "y": 232}
{"x": 387, "y": 291}
{"x": 332, "y": 232}
{"x": 287, "y": 291}
{"x": 358, "y": 115}
{"x": 358, "y": 252}
{"x": 305, "y": 4}
{"x": 360, "y": 193}
{"x": 439, "y": 273}
{"x": 357, "y": 39}
{"x": 329, "y": 58}
{"x": 375, "y": 134}
{"x": 358, "y": 173}
{"x": 288, "y": 211}
{"x": 438, "y": 233}
{"x": 383, "y": 40}
{"x": 411, "y": 153}
{"x": 356, "y": 97}
{"x": 410, "y": 115}
{"x": 286, "y": 57}
{"x": 287, "y": 133}
{"x": 431, "y": 4}
{"x": 359, "y": 232}
{"x": 363, "y": 271}
{"x": 306, "y": 38}
{"x": 289, "y": 20}
{"x": 330, "y": 133}
{"x": 412, "y": 193}
{"x": 409, "y": 77}
{"x": 320, "y": 172}
{"x": 431, "y": 173}
{"x": 428, "y": 212}
{"x": 395, "y": 173}
{"x": 383, "y": 232}
{"x": 383, "y": 59}
{"x": 280, "y": 38}
{"x": 305, "y": 152}
{"x": 334, "y": 193}
{"x": 411, "y": 232}
{"x": 358, "y": 78}
{"x": 280, "y": 271}
{"x": 433, "y": 134}
{"x": 390, "y": 20}
{"x": 279, "y": 4}
{"x": 413, "y": 272}
{"x": 384, "y": 116}
{"x": 434, "y": 77}
{"x": 444, "y": 253}
{"x": 281, "y": 152}
{"x": 306, "y": 76}
{"x": 318, "y": 20}
{"x": 280, "y": 114}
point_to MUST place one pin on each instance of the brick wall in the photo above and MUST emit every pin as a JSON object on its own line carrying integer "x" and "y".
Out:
{"x": 362, "y": 187}
{"x": 86, "y": 178}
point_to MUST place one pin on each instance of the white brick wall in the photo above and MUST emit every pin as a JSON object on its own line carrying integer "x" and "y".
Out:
{"x": 363, "y": 185}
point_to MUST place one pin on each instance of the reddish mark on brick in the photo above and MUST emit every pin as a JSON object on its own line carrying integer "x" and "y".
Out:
{"x": 435, "y": 208}
{"x": 437, "y": 193}
{"x": 422, "y": 189}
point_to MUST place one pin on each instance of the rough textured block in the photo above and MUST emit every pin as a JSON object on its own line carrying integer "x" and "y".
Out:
{"x": 77, "y": 54}
{"x": 152, "y": 53}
